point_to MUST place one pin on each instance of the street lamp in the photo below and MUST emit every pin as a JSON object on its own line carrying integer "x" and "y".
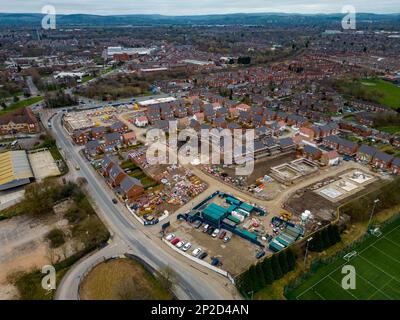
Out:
{"x": 305, "y": 255}
{"x": 372, "y": 212}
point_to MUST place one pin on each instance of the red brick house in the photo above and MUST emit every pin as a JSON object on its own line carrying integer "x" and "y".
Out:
{"x": 311, "y": 153}
{"x": 131, "y": 188}
{"x": 80, "y": 137}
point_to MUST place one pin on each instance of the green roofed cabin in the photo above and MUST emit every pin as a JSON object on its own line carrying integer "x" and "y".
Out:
{"x": 231, "y": 200}
{"x": 246, "y": 207}
{"x": 214, "y": 214}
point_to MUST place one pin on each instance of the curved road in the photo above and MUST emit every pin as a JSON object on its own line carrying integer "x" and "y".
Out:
{"x": 193, "y": 282}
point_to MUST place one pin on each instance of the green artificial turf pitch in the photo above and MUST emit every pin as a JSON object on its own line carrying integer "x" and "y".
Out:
{"x": 377, "y": 268}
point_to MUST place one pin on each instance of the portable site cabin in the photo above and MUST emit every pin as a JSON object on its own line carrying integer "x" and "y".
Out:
{"x": 232, "y": 207}
{"x": 275, "y": 246}
{"x": 228, "y": 222}
{"x": 234, "y": 219}
{"x": 231, "y": 200}
{"x": 282, "y": 240}
{"x": 246, "y": 207}
{"x": 214, "y": 214}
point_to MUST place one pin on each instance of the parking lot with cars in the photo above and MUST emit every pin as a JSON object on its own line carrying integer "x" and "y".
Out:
{"x": 217, "y": 247}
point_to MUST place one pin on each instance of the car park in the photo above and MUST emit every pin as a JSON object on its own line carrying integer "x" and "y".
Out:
{"x": 170, "y": 237}
{"x": 215, "y": 233}
{"x": 187, "y": 246}
{"x": 203, "y": 255}
{"x": 175, "y": 241}
{"x": 180, "y": 244}
{"x": 196, "y": 252}
{"x": 222, "y": 234}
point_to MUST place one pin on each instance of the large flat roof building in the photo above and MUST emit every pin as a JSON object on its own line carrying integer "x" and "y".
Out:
{"x": 15, "y": 169}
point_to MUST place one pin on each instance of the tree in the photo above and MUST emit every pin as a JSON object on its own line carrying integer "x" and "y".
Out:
{"x": 260, "y": 275}
{"x": 283, "y": 262}
{"x": 267, "y": 269}
{"x": 291, "y": 259}
{"x": 276, "y": 268}
{"x": 254, "y": 279}
{"x": 325, "y": 238}
{"x": 316, "y": 243}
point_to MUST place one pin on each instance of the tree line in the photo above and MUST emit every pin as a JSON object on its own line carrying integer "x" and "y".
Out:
{"x": 267, "y": 271}
{"x": 325, "y": 238}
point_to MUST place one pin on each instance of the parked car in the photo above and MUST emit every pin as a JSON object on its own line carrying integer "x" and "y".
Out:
{"x": 215, "y": 262}
{"x": 187, "y": 246}
{"x": 203, "y": 255}
{"x": 260, "y": 254}
{"x": 197, "y": 224}
{"x": 215, "y": 233}
{"x": 210, "y": 231}
{"x": 180, "y": 244}
{"x": 205, "y": 228}
{"x": 222, "y": 234}
{"x": 175, "y": 241}
{"x": 170, "y": 237}
{"x": 196, "y": 252}
{"x": 115, "y": 201}
{"x": 227, "y": 239}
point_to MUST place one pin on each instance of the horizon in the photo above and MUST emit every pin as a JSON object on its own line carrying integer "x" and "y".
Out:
{"x": 205, "y": 7}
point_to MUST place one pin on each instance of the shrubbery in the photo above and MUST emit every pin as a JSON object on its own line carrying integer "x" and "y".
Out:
{"x": 267, "y": 271}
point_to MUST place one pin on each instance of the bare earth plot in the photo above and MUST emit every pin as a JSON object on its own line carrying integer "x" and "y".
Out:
{"x": 377, "y": 268}
{"x": 43, "y": 165}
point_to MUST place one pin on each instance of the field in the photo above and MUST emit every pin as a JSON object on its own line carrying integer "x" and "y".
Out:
{"x": 377, "y": 268}
{"x": 122, "y": 279}
{"x": 20, "y": 104}
{"x": 390, "y": 92}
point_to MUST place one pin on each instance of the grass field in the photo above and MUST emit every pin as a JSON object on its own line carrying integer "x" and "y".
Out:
{"x": 20, "y": 104}
{"x": 377, "y": 272}
{"x": 390, "y": 92}
{"x": 122, "y": 279}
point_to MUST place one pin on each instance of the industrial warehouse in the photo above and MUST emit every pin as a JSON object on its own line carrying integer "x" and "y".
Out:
{"x": 15, "y": 169}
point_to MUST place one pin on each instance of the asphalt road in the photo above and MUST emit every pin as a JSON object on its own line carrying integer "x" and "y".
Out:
{"x": 192, "y": 282}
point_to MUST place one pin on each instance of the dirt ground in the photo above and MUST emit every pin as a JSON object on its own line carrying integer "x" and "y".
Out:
{"x": 322, "y": 208}
{"x": 43, "y": 165}
{"x": 235, "y": 255}
{"x": 121, "y": 279}
{"x": 23, "y": 246}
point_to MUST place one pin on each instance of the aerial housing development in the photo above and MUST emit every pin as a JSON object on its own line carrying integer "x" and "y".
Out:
{"x": 206, "y": 157}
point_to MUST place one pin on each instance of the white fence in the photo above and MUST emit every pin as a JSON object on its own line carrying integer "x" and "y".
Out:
{"x": 199, "y": 261}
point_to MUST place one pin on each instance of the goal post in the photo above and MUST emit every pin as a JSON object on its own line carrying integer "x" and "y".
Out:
{"x": 350, "y": 255}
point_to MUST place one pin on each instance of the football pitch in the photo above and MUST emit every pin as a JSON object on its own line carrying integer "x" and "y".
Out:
{"x": 377, "y": 266}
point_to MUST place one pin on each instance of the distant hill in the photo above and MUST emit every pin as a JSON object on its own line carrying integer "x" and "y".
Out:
{"x": 275, "y": 19}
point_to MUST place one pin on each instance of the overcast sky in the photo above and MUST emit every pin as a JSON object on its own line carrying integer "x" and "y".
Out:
{"x": 192, "y": 7}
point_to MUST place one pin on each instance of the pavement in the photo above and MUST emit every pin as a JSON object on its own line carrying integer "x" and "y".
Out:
{"x": 192, "y": 280}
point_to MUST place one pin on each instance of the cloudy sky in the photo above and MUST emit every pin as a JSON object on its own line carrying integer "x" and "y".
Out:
{"x": 193, "y": 7}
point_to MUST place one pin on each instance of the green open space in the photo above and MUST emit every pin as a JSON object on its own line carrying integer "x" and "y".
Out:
{"x": 377, "y": 266}
{"x": 21, "y": 104}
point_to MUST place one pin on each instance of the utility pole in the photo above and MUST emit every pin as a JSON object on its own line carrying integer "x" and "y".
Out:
{"x": 372, "y": 213}
{"x": 305, "y": 255}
